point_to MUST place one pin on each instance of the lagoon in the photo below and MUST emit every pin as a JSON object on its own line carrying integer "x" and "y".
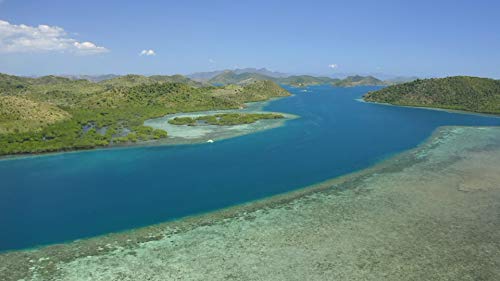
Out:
{"x": 61, "y": 197}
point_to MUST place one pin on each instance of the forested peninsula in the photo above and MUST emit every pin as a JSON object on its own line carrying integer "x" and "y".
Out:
{"x": 465, "y": 93}
{"x": 54, "y": 113}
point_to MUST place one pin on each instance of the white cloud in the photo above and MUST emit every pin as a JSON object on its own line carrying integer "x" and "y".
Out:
{"x": 89, "y": 47}
{"x": 43, "y": 38}
{"x": 147, "y": 53}
{"x": 211, "y": 61}
{"x": 333, "y": 66}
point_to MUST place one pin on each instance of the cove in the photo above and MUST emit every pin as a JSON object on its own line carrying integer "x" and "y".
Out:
{"x": 61, "y": 197}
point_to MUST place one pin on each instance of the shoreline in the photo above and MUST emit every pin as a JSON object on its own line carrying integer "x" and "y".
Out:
{"x": 251, "y": 107}
{"x": 133, "y": 238}
{"x": 490, "y": 115}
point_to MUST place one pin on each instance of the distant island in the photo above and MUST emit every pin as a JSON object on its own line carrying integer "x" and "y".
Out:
{"x": 54, "y": 113}
{"x": 224, "y": 119}
{"x": 205, "y": 76}
{"x": 465, "y": 93}
{"x": 244, "y": 76}
{"x": 233, "y": 77}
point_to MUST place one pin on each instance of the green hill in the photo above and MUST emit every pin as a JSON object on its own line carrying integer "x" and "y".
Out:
{"x": 18, "y": 114}
{"x": 13, "y": 84}
{"x": 176, "y": 79}
{"x": 459, "y": 93}
{"x": 357, "y": 80}
{"x": 205, "y": 76}
{"x": 92, "y": 78}
{"x": 131, "y": 80}
{"x": 400, "y": 80}
{"x": 50, "y": 79}
{"x": 230, "y": 77}
{"x": 54, "y": 113}
{"x": 127, "y": 81}
{"x": 305, "y": 80}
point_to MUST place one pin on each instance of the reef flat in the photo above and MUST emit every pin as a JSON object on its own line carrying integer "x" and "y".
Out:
{"x": 431, "y": 213}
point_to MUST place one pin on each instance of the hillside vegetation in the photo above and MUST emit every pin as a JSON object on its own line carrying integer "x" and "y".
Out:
{"x": 21, "y": 115}
{"x": 230, "y": 77}
{"x": 458, "y": 93}
{"x": 205, "y": 76}
{"x": 357, "y": 80}
{"x": 224, "y": 119}
{"x": 135, "y": 80}
{"x": 306, "y": 80}
{"x": 54, "y": 113}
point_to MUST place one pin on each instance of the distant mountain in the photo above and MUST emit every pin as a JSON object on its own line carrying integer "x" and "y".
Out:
{"x": 306, "y": 80}
{"x": 206, "y": 76}
{"x": 358, "y": 80}
{"x": 458, "y": 92}
{"x": 127, "y": 80}
{"x": 240, "y": 76}
{"x": 50, "y": 79}
{"x": 231, "y": 77}
{"x": 134, "y": 80}
{"x": 261, "y": 71}
{"x": 177, "y": 78}
{"x": 92, "y": 78}
{"x": 247, "y": 75}
{"x": 400, "y": 79}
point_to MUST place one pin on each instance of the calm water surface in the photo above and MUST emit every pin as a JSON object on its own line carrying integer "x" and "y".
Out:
{"x": 62, "y": 197}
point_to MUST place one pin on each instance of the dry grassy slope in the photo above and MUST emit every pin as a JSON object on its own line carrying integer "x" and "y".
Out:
{"x": 20, "y": 115}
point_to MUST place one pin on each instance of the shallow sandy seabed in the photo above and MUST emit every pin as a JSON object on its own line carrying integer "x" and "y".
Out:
{"x": 183, "y": 134}
{"x": 432, "y": 213}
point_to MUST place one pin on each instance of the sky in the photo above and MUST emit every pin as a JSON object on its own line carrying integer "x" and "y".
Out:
{"x": 409, "y": 38}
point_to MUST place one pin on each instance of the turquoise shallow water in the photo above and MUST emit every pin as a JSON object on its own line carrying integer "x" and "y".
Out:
{"x": 61, "y": 197}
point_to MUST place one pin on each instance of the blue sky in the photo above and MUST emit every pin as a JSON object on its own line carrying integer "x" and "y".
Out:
{"x": 423, "y": 38}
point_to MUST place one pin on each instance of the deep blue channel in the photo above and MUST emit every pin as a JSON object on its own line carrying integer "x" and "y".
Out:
{"x": 61, "y": 197}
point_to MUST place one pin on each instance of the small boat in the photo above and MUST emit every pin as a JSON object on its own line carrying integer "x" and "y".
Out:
{"x": 210, "y": 141}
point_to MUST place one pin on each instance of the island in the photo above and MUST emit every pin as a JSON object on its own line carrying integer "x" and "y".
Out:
{"x": 474, "y": 94}
{"x": 53, "y": 113}
{"x": 224, "y": 119}
{"x": 245, "y": 76}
